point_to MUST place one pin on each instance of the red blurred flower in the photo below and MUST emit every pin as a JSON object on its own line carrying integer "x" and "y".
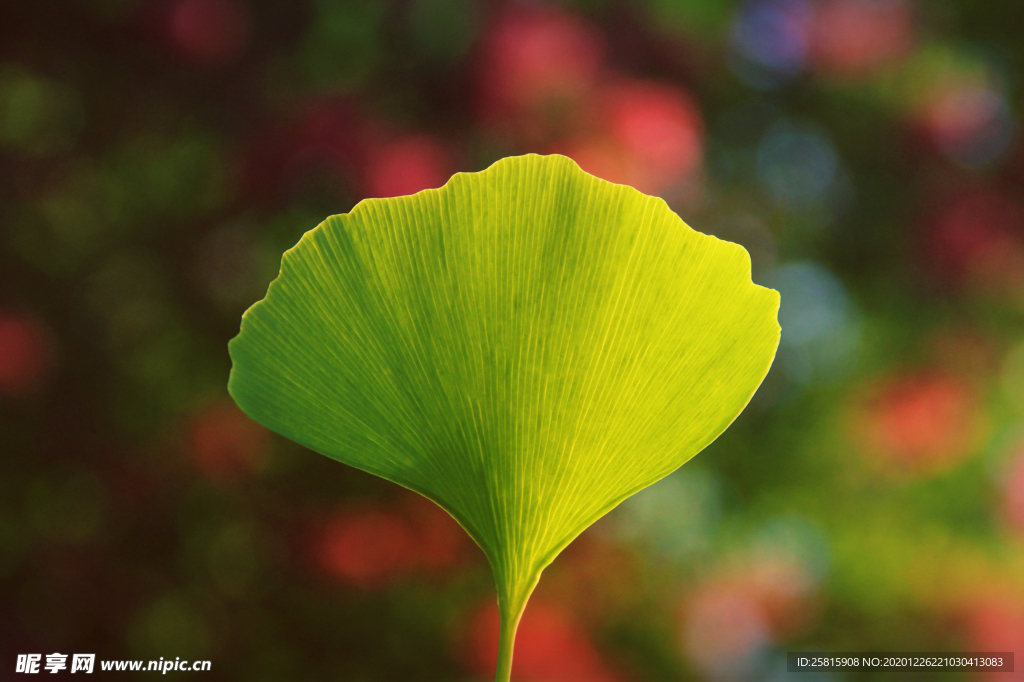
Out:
{"x": 921, "y": 422}
{"x": 967, "y": 118}
{"x": 996, "y": 624}
{"x": 537, "y": 72}
{"x": 977, "y": 239}
{"x": 649, "y": 136}
{"x": 209, "y": 32}
{"x": 225, "y": 444}
{"x": 539, "y": 55}
{"x": 550, "y": 646}
{"x": 406, "y": 166}
{"x": 729, "y": 620}
{"x": 542, "y": 84}
{"x": 26, "y": 354}
{"x": 785, "y": 592}
{"x": 657, "y": 126}
{"x": 726, "y": 629}
{"x": 367, "y": 547}
{"x": 598, "y": 157}
{"x": 854, "y": 37}
{"x": 1013, "y": 491}
{"x": 440, "y": 542}
{"x": 371, "y": 547}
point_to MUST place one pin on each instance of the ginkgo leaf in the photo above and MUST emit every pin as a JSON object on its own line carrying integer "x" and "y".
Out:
{"x": 526, "y": 346}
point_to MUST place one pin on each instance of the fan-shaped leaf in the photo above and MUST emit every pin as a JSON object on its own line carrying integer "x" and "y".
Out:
{"x": 527, "y": 346}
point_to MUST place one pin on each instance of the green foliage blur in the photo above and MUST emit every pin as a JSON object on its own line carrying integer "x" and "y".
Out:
{"x": 158, "y": 156}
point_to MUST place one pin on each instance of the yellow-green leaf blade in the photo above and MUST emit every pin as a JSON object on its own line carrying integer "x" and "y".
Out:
{"x": 527, "y": 346}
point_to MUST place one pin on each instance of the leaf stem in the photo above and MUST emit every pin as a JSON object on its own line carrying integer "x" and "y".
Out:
{"x": 509, "y": 616}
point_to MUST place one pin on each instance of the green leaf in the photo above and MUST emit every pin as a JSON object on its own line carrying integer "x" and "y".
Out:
{"x": 526, "y": 346}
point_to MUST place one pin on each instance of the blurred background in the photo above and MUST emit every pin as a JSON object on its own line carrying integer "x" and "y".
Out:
{"x": 157, "y": 156}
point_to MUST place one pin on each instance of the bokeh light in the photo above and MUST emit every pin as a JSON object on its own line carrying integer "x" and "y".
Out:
{"x": 726, "y": 632}
{"x": 226, "y": 444}
{"x": 770, "y": 39}
{"x": 26, "y": 354}
{"x": 342, "y": 46}
{"x": 653, "y": 132}
{"x": 971, "y": 123}
{"x": 38, "y": 116}
{"x": 996, "y": 623}
{"x": 370, "y": 547}
{"x": 958, "y": 97}
{"x": 537, "y": 59}
{"x": 646, "y": 135}
{"x": 797, "y": 165}
{"x": 659, "y": 127}
{"x": 367, "y": 547}
{"x": 821, "y": 327}
{"x": 976, "y": 240}
{"x": 406, "y": 166}
{"x": 676, "y": 516}
{"x": 852, "y": 38}
{"x": 921, "y": 421}
{"x": 1013, "y": 488}
{"x": 1012, "y": 376}
{"x": 209, "y": 32}
{"x": 550, "y": 646}
{"x": 444, "y": 29}
{"x": 765, "y": 595}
